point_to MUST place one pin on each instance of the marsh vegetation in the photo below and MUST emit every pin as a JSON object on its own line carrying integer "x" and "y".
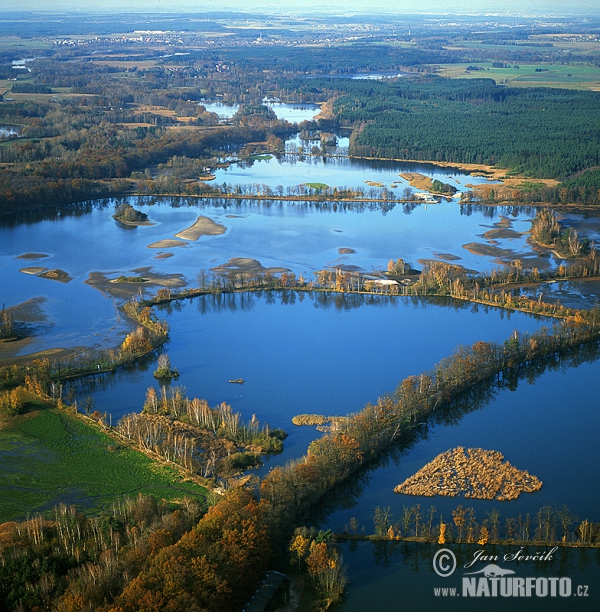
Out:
{"x": 472, "y": 473}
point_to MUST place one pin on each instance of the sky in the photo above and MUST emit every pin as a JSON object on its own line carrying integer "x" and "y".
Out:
{"x": 541, "y": 7}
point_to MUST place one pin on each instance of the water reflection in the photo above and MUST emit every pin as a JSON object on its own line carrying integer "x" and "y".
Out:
{"x": 383, "y": 574}
{"x": 353, "y": 491}
{"x": 572, "y": 294}
{"x": 248, "y": 300}
{"x": 9, "y": 131}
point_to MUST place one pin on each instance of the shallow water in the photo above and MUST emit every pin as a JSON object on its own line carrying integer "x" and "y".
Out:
{"x": 302, "y": 237}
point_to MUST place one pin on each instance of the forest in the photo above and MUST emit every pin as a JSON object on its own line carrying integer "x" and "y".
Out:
{"x": 536, "y": 132}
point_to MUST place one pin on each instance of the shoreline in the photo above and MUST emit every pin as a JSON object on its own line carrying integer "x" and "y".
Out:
{"x": 575, "y": 206}
{"x": 191, "y": 293}
{"x": 132, "y": 223}
{"x": 348, "y": 537}
{"x": 482, "y": 170}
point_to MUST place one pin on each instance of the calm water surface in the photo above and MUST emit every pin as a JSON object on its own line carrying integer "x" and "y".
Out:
{"x": 538, "y": 425}
{"x": 397, "y": 576}
{"x": 294, "y": 113}
{"x": 8, "y": 130}
{"x": 302, "y": 237}
{"x": 304, "y": 353}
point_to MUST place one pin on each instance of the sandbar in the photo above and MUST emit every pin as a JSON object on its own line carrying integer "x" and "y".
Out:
{"x": 29, "y": 311}
{"x": 7, "y": 356}
{"x": 247, "y": 265}
{"x": 447, "y": 256}
{"x": 126, "y": 290}
{"x": 166, "y": 244}
{"x": 203, "y": 226}
{"x": 490, "y": 250}
{"x": 33, "y": 270}
{"x": 33, "y": 256}
{"x": 502, "y": 233}
{"x": 57, "y": 275}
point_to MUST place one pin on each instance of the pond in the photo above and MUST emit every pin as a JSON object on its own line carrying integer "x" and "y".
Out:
{"x": 337, "y": 172}
{"x": 9, "y": 131}
{"x": 299, "y": 236}
{"x": 294, "y": 113}
{"x": 535, "y": 423}
{"x": 303, "y": 352}
{"x": 331, "y": 355}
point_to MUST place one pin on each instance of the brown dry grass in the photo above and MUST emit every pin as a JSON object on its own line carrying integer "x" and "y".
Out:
{"x": 57, "y": 275}
{"x": 418, "y": 181}
{"x": 473, "y": 473}
{"x": 316, "y": 419}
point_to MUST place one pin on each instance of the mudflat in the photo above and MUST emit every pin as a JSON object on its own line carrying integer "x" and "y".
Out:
{"x": 203, "y": 226}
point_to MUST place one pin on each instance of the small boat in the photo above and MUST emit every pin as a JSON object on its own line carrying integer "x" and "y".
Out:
{"x": 237, "y": 381}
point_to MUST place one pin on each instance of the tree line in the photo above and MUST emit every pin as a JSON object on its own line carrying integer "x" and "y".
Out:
{"x": 44, "y": 377}
{"x": 212, "y": 442}
{"x": 243, "y": 534}
{"x": 499, "y": 288}
{"x": 363, "y": 436}
{"x": 549, "y": 525}
{"x": 138, "y": 554}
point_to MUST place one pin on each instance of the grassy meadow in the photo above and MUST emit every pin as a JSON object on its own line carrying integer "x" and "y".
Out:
{"x": 580, "y": 76}
{"x": 49, "y": 457}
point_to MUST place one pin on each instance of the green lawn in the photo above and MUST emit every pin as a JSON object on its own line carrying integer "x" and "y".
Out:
{"x": 51, "y": 457}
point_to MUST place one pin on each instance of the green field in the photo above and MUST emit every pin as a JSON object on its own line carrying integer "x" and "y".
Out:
{"x": 551, "y": 75}
{"x": 51, "y": 457}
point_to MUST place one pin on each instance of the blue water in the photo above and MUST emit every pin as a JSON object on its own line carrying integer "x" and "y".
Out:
{"x": 303, "y": 353}
{"x": 302, "y": 237}
{"x": 392, "y": 577}
{"x": 294, "y": 113}
{"x": 546, "y": 426}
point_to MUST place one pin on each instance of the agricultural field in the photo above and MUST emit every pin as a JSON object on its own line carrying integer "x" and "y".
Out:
{"x": 566, "y": 76}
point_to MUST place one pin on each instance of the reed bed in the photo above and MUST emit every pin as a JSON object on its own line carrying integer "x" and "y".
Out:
{"x": 315, "y": 419}
{"x": 472, "y": 473}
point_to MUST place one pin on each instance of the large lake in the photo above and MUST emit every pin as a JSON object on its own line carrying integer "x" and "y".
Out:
{"x": 300, "y": 236}
{"x": 310, "y": 353}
